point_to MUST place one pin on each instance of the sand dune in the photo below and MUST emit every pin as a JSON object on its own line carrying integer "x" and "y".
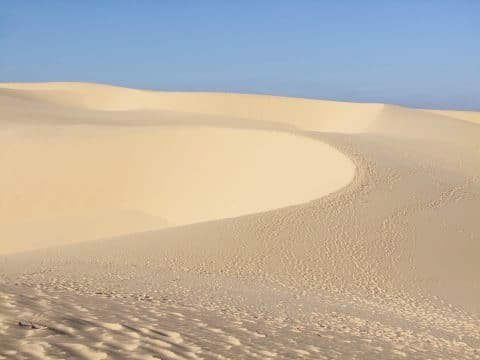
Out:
{"x": 71, "y": 184}
{"x": 235, "y": 226}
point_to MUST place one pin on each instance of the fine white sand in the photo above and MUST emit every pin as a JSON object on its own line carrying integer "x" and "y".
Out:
{"x": 140, "y": 224}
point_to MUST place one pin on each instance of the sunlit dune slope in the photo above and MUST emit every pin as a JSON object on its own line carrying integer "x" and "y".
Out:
{"x": 256, "y": 110}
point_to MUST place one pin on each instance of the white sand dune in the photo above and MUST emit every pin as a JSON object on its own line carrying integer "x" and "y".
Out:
{"x": 68, "y": 184}
{"x": 208, "y": 225}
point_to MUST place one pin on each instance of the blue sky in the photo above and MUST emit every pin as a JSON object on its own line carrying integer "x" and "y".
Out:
{"x": 412, "y": 52}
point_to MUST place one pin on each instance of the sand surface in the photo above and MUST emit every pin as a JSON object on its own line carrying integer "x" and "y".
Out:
{"x": 145, "y": 225}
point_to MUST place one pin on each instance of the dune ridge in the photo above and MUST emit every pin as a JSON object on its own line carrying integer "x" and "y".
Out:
{"x": 380, "y": 264}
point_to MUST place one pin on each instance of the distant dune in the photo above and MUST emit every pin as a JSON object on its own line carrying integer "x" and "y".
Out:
{"x": 143, "y": 224}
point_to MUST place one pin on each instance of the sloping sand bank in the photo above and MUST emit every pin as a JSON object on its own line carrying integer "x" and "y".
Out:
{"x": 72, "y": 183}
{"x": 287, "y": 228}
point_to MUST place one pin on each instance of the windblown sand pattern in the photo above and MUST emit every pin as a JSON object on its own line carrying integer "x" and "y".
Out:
{"x": 150, "y": 225}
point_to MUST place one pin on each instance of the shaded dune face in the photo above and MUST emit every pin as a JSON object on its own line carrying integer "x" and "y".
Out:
{"x": 71, "y": 183}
